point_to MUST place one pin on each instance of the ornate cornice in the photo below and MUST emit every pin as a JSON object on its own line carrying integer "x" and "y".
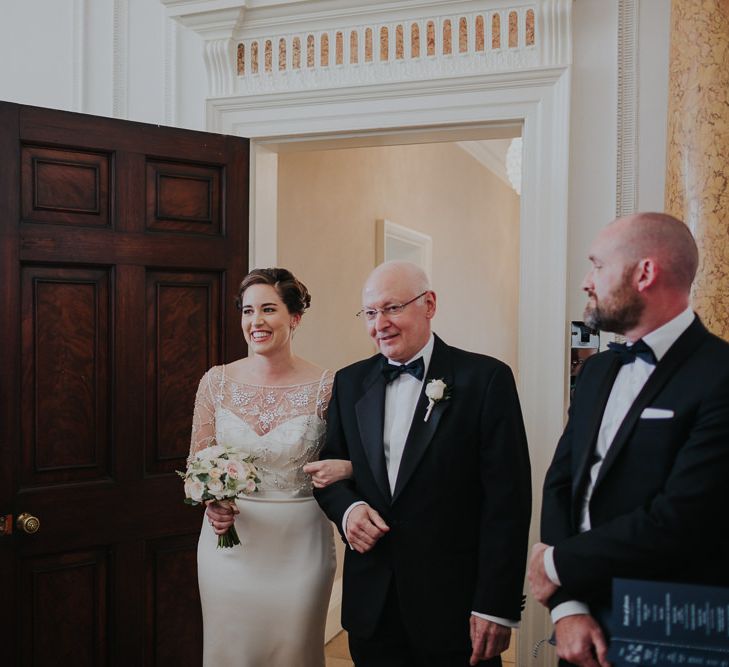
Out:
{"x": 217, "y": 26}
{"x": 268, "y": 46}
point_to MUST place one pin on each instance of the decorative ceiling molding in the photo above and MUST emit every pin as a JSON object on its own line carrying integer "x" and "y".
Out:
{"x": 491, "y": 154}
{"x": 220, "y": 23}
{"x": 386, "y": 47}
{"x": 626, "y": 195}
{"x": 328, "y": 14}
{"x": 266, "y": 46}
{"x": 514, "y": 165}
{"x": 217, "y": 26}
{"x": 191, "y": 7}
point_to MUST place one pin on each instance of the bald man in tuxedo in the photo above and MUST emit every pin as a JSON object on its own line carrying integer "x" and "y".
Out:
{"x": 437, "y": 511}
{"x": 638, "y": 487}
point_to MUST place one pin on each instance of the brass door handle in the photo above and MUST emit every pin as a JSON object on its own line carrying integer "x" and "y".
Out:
{"x": 28, "y": 523}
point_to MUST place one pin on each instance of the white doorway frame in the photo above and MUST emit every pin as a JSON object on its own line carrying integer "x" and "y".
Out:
{"x": 539, "y": 99}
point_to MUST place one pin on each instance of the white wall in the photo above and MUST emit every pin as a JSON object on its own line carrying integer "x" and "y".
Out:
{"x": 654, "y": 36}
{"x": 328, "y": 202}
{"x": 36, "y": 52}
{"x": 593, "y": 136}
{"x": 62, "y": 54}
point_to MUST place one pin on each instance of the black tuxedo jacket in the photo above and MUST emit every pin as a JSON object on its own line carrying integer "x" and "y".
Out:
{"x": 658, "y": 508}
{"x": 459, "y": 513}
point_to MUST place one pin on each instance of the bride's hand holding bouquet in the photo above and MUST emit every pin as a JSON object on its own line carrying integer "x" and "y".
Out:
{"x": 219, "y": 475}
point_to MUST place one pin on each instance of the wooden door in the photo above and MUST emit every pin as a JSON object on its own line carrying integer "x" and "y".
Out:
{"x": 121, "y": 247}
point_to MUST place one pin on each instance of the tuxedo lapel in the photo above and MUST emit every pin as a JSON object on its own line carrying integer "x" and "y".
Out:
{"x": 598, "y": 399}
{"x": 370, "y": 411}
{"x": 421, "y": 432}
{"x": 677, "y": 354}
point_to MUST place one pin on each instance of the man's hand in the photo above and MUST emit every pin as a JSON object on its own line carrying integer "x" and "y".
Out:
{"x": 542, "y": 587}
{"x": 581, "y": 641}
{"x": 488, "y": 639}
{"x": 364, "y": 527}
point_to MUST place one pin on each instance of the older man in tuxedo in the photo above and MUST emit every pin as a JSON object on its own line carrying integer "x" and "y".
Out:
{"x": 638, "y": 487}
{"x": 437, "y": 511}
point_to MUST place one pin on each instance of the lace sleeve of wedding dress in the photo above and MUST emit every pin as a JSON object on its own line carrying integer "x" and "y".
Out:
{"x": 324, "y": 394}
{"x": 203, "y": 418}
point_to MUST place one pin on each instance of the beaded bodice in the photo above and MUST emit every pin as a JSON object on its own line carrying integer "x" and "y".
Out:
{"x": 282, "y": 427}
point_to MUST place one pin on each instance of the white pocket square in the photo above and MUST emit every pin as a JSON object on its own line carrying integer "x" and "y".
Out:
{"x": 656, "y": 413}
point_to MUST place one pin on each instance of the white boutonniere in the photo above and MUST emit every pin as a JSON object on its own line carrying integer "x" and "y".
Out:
{"x": 436, "y": 391}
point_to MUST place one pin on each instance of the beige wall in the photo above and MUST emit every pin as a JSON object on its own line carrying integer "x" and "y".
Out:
{"x": 328, "y": 202}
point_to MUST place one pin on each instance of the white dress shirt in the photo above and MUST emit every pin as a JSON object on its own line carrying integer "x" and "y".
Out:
{"x": 628, "y": 383}
{"x": 401, "y": 399}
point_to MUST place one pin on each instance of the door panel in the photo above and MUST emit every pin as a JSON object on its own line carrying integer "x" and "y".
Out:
{"x": 182, "y": 343}
{"x": 66, "y": 187}
{"x": 67, "y": 593}
{"x": 184, "y": 198}
{"x": 170, "y": 637}
{"x": 66, "y": 385}
{"x": 121, "y": 247}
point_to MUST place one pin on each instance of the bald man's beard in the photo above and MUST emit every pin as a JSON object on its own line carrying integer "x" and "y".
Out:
{"x": 619, "y": 312}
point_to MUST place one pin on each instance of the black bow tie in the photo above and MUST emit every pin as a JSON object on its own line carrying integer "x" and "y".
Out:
{"x": 391, "y": 372}
{"x": 629, "y": 353}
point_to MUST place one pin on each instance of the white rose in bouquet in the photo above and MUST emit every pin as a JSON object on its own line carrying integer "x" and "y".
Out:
{"x": 216, "y": 488}
{"x": 194, "y": 489}
{"x": 235, "y": 470}
{"x": 210, "y": 453}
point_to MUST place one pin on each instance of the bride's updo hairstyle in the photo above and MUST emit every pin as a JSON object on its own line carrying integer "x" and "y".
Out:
{"x": 292, "y": 291}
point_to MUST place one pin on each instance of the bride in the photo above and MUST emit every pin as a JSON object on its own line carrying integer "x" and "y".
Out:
{"x": 265, "y": 601}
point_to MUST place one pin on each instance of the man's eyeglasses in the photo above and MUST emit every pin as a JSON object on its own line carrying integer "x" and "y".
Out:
{"x": 392, "y": 310}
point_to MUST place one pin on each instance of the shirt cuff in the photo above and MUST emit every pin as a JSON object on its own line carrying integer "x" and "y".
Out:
{"x": 346, "y": 516}
{"x": 549, "y": 566}
{"x": 497, "y": 619}
{"x": 569, "y": 608}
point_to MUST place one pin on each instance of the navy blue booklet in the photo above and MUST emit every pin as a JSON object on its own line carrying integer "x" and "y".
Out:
{"x": 667, "y": 624}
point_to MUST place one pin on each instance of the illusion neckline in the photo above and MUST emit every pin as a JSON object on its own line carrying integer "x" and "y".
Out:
{"x": 273, "y": 386}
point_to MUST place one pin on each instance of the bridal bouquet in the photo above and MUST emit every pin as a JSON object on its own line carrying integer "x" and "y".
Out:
{"x": 220, "y": 473}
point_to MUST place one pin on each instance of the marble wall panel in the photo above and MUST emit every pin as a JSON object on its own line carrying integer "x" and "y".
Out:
{"x": 697, "y": 171}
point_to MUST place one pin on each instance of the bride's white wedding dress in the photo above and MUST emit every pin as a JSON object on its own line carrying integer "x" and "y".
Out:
{"x": 265, "y": 601}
